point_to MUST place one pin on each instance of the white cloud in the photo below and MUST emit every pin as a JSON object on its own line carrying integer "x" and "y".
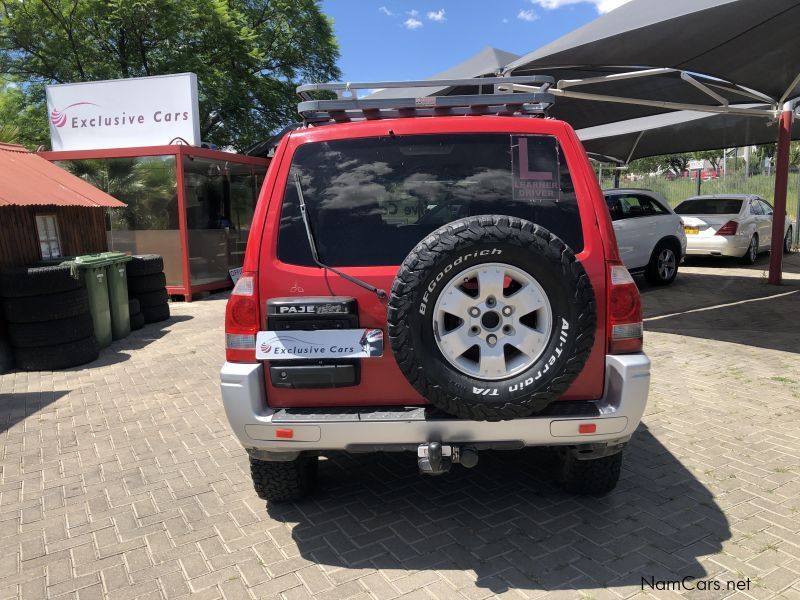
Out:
{"x": 413, "y": 12}
{"x": 505, "y": 20}
{"x": 602, "y": 6}
{"x": 437, "y": 15}
{"x": 385, "y": 11}
{"x": 412, "y": 23}
{"x": 527, "y": 15}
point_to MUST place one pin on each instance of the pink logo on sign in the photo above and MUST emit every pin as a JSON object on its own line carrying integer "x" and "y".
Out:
{"x": 265, "y": 348}
{"x": 59, "y": 117}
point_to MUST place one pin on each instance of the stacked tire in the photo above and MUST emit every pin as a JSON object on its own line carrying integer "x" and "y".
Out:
{"x": 147, "y": 286}
{"x": 135, "y": 310}
{"x": 48, "y": 320}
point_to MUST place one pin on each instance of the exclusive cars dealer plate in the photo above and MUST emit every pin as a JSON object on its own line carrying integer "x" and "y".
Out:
{"x": 691, "y": 230}
{"x": 323, "y": 343}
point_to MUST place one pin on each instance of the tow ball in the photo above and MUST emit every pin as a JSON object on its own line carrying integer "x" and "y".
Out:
{"x": 435, "y": 458}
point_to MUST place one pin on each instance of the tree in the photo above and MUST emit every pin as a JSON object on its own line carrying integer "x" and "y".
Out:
{"x": 248, "y": 55}
{"x": 23, "y": 118}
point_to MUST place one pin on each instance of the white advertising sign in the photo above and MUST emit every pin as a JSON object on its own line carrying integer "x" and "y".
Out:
{"x": 124, "y": 113}
{"x": 323, "y": 343}
{"x": 697, "y": 165}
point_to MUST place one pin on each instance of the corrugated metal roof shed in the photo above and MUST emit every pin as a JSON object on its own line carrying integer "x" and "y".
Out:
{"x": 28, "y": 180}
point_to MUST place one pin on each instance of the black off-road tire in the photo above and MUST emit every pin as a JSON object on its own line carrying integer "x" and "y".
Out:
{"x": 284, "y": 481}
{"x": 145, "y": 264}
{"x": 146, "y": 283}
{"x": 432, "y": 264}
{"x": 21, "y": 282}
{"x": 749, "y": 257}
{"x": 133, "y": 306}
{"x": 137, "y": 321}
{"x": 151, "y": 299}
{"x": 47, "y": 333}
{"x": 57, "y": 356}
{"x": 6, "y": 357}
{"x": 787, "y": 241}
{"x": 155, "y": 314}
{"x": 50, "y": 307}
{"x": 652, "y": 274}
{"x": 593, "y": 477}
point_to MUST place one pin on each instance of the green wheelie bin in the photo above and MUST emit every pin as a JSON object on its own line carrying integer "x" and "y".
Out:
{"x": 95, "y": 276}
{"x": 118, "y": 293}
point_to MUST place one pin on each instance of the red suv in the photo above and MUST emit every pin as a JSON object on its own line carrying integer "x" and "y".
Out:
{"x": 474, "y": 239}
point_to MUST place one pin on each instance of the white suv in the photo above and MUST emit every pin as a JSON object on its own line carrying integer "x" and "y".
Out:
{"x": 649, "y": 234}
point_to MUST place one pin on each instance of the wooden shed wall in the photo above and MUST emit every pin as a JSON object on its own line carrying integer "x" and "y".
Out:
{"x": 82, "y": 230}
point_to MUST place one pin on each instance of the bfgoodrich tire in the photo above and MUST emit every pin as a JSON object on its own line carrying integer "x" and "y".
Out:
{"x": 144, "y": 264}
{"x": 483, "y": 263}
{"x": 47, "y": 307}
{"x": 21, "y": 282}
{"x": 46, "y": 333}
{"x": 146, "y": 283}
{"x": 284, "y": 481}
{"x": 57, "y": 356}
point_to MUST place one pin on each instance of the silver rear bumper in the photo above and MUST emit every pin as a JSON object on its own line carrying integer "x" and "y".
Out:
{"x": 260, "y": 428}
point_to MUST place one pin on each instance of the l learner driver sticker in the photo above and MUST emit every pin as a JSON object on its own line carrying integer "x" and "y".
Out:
{"x": 324, "y": 343}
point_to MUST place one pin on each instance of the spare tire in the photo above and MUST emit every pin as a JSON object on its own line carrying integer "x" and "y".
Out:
{"x": 133, "y": 306}
{"x": 144, "y": 264}
{"x": 491, "y": 318}
{"x": 21, "y": 282}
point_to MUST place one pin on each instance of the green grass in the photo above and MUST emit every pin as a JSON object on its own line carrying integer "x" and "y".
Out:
{"x": 679, "y": 189}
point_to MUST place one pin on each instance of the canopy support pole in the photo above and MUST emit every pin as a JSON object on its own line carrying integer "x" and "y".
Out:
{"x": 781, "y": 185}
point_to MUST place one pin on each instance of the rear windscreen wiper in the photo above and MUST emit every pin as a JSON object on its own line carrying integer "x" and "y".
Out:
{"x": 312, "y": 244}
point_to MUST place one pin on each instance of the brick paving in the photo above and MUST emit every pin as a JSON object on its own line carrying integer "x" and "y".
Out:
{"x": 122, "y": 479}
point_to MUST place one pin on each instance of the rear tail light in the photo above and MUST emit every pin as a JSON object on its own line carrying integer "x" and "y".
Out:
{"x": 625, "y": 328}
{"x": 242, "y": 320}
{"x": 729, "y": 228}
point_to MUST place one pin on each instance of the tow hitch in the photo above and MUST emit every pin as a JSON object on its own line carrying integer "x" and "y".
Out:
{"x": 435, "y": 458}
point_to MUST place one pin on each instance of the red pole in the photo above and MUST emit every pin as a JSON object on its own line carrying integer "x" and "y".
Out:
{"x": 781, "y": 185}
{"x": 182, "y": 224}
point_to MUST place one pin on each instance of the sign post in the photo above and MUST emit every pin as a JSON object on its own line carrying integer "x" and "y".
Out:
{"x": 124, "y": 113}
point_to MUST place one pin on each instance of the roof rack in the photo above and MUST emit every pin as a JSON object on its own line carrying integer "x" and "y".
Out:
{"x": 349, "y": 107}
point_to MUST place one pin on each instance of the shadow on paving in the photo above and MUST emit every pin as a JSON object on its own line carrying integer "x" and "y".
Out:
{"x": 507, "y": 522}
{"x": 18, "y": 406}
{"x": 119, "y": 351}
{"x": 728, "y": 308}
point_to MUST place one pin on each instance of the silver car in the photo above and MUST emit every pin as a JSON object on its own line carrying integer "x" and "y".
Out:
{"x": 738, "y": 225}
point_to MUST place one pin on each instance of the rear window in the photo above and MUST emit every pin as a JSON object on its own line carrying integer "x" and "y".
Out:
{"x": 709, "y": 206}
{"x": 371, "y": 200}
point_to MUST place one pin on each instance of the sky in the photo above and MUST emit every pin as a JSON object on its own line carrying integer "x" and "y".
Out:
{"x": 414, "y": 39}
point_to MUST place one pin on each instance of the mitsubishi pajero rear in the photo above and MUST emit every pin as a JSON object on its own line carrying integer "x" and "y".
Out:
{"x": 433, "y": 275}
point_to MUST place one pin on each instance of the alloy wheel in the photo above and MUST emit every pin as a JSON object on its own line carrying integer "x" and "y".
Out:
{"x": 493, "y": 321}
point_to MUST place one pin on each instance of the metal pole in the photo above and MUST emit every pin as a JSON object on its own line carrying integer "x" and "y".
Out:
{"x": 699, "y": 181}
{"x": 616, "y": 179}
{"x": 781, "y": 185}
